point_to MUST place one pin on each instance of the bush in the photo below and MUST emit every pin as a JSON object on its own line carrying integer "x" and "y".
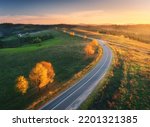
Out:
{"x": 37, "y": 40}
{"x": 22, "y": 84}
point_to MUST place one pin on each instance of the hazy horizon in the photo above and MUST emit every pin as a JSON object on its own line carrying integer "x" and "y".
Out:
{"x": 72, "y": 24}
{"x": 93, "y": 12}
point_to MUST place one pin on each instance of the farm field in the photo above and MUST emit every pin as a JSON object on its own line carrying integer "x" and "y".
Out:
{"x": 64, "y": 52}
{"x": 128, "y": 82}
{"x": 136, "y": 32}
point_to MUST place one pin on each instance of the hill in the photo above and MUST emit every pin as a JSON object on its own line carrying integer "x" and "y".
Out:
{"x": 66, "y": 53}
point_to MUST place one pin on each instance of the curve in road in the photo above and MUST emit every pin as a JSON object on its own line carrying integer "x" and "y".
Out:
{"x": 75, "y": 95}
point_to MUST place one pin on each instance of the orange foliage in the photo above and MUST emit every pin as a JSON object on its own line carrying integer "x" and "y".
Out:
{"x": 91, "y": 47}
{"x": 22, "y": 84}
{"x": 89, "y": 50}
{"x": 72, "y": 33}
{"x": 50, "y": 70}
{"x": 94, "y": 43}
{"x": 42, "y": 74}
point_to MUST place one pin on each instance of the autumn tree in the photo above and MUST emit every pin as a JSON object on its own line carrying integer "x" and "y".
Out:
{"x": 42, "y": 74}
{"x": 72, "y": 33}
{"x": 89, "y": 50}
{"x": 94, "y": 43}
{"x": 91, "y": 47}
{"x": 50, "y": 70}
{"x": 22, "y": 84}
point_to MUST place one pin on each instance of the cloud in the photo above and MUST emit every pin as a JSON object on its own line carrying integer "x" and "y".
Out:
{"x": 86, "y": 17}
{"x": 70, "y": 17}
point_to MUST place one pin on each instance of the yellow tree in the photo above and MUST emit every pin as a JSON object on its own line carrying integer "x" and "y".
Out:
{"x": 22, "y": 84}
{"x": 91, "y": 47}
{"x": 50, "y": 70}
{"x": 72, "y": 33}
{"x": 89, "y": 50}
{"x": 42, "y": 74}
{"x": 94, "y": 43}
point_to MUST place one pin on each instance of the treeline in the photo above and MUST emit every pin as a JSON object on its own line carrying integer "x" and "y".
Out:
{"x": 18, "y": 41}
{"x": 15, "y": 35}
{"x": 7, "y": 29}
{"x": 35, "y": 39}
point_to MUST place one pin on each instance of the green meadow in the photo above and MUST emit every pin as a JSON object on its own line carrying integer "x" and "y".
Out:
{"x": 64, "y": 52}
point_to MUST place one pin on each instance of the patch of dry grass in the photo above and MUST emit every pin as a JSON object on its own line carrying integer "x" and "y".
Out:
{"x": 127, "y": 85}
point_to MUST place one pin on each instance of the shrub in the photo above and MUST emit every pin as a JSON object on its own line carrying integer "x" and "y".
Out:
{"x": 37, "y": 40}
{"x": 72, "y": 33}
{"x": 22, "y": 84}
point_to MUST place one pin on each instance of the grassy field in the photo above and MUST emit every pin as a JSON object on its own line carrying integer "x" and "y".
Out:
{"x": 136, "y": 32}
{"x": 13, "y": 41}
{"x": 64, "y": 52}
{"x": 127, "y": 85}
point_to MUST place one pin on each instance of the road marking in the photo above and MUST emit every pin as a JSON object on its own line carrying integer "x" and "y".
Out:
{"x": 103, "y": 74}
{"x": 82, "y": 94}
{"x": 77, "y": 82}
{"x": 69, "y": 88}
{"x": 82, "y": 84}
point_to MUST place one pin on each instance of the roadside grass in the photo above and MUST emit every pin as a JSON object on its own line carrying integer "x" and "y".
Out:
{"x": 64, "y": 52}
{"x": 103, "y": 91}
{"x": 126, "y": 85}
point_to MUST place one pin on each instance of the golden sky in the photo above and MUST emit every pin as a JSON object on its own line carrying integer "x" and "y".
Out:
{"x": 96, "y": 12}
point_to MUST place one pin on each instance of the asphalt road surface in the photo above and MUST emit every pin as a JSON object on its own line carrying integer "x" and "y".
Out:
{"x": 75, "y": 95}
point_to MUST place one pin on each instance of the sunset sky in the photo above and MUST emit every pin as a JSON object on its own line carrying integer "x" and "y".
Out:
{"x": 75, "y": 11}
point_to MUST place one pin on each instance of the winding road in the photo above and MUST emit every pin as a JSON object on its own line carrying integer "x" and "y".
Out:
{"x": 75, "y": 95}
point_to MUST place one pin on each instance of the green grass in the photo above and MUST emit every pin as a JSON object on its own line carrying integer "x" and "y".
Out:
{"x": 104, "y": 92}
{"x": 32, "y": 47}
{"x": 10, "y": 38}
{"x": 64, "y": 52}
{"x": 13, "y": 41}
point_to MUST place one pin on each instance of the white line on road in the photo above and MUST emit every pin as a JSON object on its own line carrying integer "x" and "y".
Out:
{"x": 103, "y": 74}
{"x": 82, "y": 84}
{"x": 78, "y": 82}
